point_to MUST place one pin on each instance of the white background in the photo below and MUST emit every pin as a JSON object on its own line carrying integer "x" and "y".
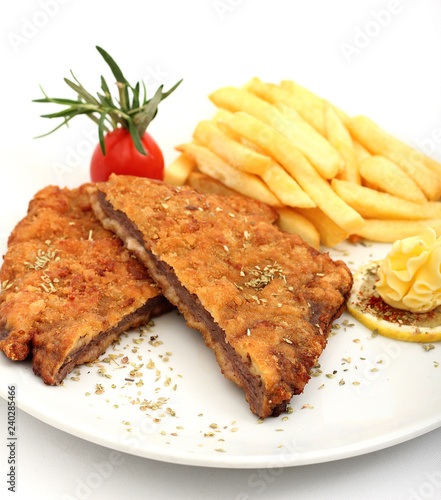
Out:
{"x": 380, "y": 58}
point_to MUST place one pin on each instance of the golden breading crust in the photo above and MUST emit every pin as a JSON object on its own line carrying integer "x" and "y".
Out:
{"x": 263, "y": 299}
{"x": 69, "y": 287}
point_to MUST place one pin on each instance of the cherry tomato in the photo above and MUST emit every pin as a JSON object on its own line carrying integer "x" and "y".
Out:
{"x": 122, "y": 157}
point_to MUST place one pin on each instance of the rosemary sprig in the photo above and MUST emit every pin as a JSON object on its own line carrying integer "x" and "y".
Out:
{"x": 133, "y": 111}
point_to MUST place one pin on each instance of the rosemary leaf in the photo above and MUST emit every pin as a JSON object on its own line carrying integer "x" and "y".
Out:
{"x": 135, "y": 101}
{"x": 105, "y": 89}
{"x": 166, "y": 94}
{"x": 135, "y": 136}
{"x": 57, "y": 100}
{"x": 79, "y": 109}
{"x": 101, "y": 131}
{"x": 144, "y": 91}
{"x": 117, "y": 73}
{"x": 105, "y": 100}
{"x": 120, "y": 78}
{"x": 97, "y": 121}
{"x": 81, "y": 91}
{"x": 148, "y": 112}
{"x": 65, "y": 122}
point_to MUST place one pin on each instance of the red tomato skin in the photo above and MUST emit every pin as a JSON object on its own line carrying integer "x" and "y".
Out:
{"x": 122, "y": 158}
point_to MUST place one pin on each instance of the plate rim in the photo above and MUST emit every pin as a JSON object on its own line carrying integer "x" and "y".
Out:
{"x": 179, "y": 457}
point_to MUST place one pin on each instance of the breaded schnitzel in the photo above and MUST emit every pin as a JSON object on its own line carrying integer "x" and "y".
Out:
{"x": 69, "y": 287}
{"x": 263, "y": 299}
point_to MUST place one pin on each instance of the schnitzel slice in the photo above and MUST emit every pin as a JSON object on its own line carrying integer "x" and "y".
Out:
{"x": 69, "y": 287}
{"x": 262, "y": 298}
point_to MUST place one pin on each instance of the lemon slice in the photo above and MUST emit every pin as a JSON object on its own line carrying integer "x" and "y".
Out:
{"x": 369, "y": 308}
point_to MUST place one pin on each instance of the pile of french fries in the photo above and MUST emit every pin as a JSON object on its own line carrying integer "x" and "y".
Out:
{"x": 329, "y": 176}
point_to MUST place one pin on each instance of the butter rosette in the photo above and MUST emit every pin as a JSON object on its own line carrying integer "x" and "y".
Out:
{"x": 410, "y": 275}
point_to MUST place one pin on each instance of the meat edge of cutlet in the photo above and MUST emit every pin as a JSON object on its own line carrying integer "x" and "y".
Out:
{"x": 54, "y": 374}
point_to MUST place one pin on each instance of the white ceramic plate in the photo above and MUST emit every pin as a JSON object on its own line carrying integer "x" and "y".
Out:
{"x": 184, "y": 411}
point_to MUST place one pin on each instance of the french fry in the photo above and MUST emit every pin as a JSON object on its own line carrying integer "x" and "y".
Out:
{"x": 310, "y": 109}
{"x": 233, "y": 99}
{"x": 231, "y": 133}
{"x": 285, "y": 187}
{"x": 330, "y": 234}
{"x": 289, "y": 123}
{"x": 305, "y": 102}
{"x": 178, "y": 171}
{"x": 322, "y": 155}
{"x": 339, "y": 137}
{"x": 432, "y": 164}
{"x": 217, "y": 120}
{"x": 234, "y": 153}
{"x": 230, "y": 99}
{"x": 237, "y": 137}
{"x": 361, "y": 153}
{"x": 388, "y": 231}
{"x": 373, "y": 204}
{"x": 220, "y": 113}
{"x": 280, "y": 148}
{"x": 244, "y": 183}
{"x": 292, "y": 222}
{"x": 388, "y": 176}
{"x": 312, "y": 99}
{"x": 379, "y": 142}
{"x": 241, "y": 153}
{"x": 206, "y": 184}
{"x": 246, "y": 142}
